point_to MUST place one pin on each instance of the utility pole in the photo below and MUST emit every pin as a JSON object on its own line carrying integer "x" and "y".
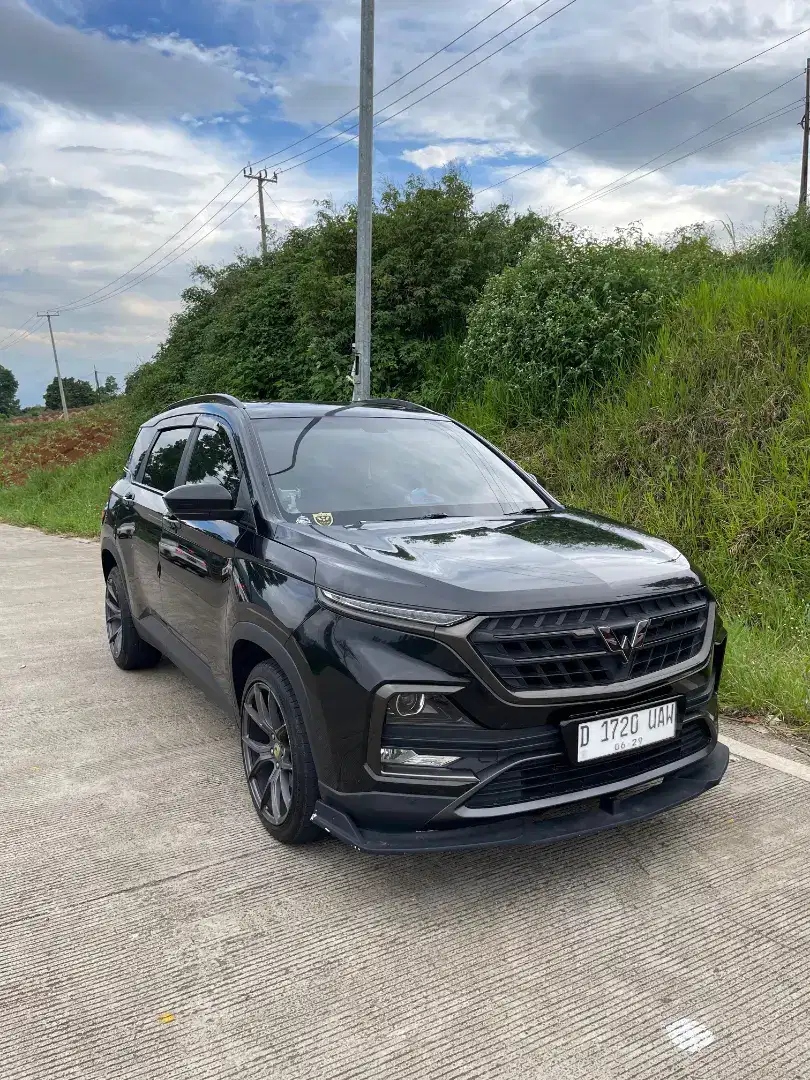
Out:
{"x": 49, "y": 315}
{"x": 261, "y": 178}
{"x": 98, "y": 388}
{"x": 806, "y": 138}
{"x": 365, "y": 195}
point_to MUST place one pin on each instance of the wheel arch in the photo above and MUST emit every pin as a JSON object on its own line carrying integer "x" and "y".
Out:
{"x": 249, "y": 646}
{"x": 108, "y": 562}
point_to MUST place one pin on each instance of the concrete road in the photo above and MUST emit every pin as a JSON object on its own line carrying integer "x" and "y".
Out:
{"x": 149, "y": 928}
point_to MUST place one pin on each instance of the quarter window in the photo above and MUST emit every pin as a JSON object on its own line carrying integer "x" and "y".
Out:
{"x": 212, "y": 461}
{"x": 164, "y": 460}
{"x": 138, "y": 452}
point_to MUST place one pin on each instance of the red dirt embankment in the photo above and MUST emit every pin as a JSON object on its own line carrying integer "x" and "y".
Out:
{"x": 44, "y": 442}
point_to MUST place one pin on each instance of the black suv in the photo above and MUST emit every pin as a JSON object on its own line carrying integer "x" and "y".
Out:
{"x": 425, "y": 650}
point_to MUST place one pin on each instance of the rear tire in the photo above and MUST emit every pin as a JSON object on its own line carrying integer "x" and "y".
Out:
{"x": 127, "y": 647}
{"x": 280, "y": 772}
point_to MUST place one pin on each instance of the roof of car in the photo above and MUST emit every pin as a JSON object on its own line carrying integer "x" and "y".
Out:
{"x": 309, "y": 408}
{"x": 220, "y": 403}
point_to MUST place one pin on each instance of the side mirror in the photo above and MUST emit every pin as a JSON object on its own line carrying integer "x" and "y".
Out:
{"x": 202, "y": 502}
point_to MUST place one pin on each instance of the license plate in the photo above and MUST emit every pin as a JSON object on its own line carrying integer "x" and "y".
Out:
{"x": 629, "y": 731}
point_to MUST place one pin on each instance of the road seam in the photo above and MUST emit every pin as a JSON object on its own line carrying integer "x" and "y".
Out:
{"x": 765, "y": 757}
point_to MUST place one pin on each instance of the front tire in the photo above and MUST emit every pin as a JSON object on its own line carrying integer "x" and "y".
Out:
{"x": 280, "y": 772}
{"x": 127, "y": 647}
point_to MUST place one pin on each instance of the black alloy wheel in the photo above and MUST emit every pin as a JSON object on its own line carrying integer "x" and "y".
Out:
{"x": 267, "y": 753}
{"x": 112, "y": 613}
{"x": 127, "y": 647}
{"x": 281, "y": 774}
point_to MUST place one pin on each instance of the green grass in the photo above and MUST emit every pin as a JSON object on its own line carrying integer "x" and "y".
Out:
{"x": 64, "y": 500}
{"x": 68, "y": 498}
{"x": 767, "y": 672}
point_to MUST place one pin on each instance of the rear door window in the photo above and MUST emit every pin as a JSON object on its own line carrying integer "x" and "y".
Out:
{"x": 164, "y": 459}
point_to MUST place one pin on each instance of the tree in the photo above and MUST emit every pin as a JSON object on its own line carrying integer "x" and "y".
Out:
{"x": 77, "y": 392}
{"x": 9, "y": 405}
{"x": 282, "y": 327}
{"x": 108, "y": 389}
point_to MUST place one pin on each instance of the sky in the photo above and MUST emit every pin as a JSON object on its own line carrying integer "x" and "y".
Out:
{"x": 121, "y": 119}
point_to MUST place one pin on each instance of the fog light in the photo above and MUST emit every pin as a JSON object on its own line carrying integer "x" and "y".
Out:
{"x": 409, "y": 704}
{"x": 392, "y": 755}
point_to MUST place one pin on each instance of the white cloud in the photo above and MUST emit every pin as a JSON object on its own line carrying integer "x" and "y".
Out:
{"x": 438, "y": 155}
{"x": 83, "y": 199}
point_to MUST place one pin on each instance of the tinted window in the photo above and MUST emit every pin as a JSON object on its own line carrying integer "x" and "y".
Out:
{"x": 164, "y": 460}
{"x": 139, "y": 451}
{"x": 212, "y": 461}
{"x": 347, "y": 468}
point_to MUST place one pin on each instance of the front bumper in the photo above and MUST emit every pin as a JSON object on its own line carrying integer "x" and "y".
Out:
{"x": 619, "y": 808}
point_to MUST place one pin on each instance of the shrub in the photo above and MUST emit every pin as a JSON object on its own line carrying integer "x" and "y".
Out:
{"x": 572, "y": 313}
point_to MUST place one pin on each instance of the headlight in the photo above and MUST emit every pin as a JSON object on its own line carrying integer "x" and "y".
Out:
{"x": 423, "y": 708}
{"x": 376, "y": 612}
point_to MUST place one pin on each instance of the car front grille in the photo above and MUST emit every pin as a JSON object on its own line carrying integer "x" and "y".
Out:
{"x": 566, "y": 648}
{"x": 556, "y": 776}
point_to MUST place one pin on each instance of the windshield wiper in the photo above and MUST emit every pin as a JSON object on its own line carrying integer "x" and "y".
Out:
{"x": 527, "y": 510}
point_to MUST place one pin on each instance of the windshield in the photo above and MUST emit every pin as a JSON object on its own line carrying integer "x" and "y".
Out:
{"x": 343, "y": 468}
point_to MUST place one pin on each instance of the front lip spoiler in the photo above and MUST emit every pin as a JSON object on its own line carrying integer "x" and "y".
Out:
{"x": 677, "y": 788}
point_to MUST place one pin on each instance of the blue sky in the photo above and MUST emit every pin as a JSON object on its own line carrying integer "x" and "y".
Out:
{"x": 120, "y": 120}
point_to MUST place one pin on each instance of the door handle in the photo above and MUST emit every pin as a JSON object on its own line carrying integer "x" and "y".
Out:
{"x": 171, "y": 523}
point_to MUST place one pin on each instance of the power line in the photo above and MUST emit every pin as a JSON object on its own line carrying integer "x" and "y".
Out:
{"x": 436, "y": 89}
{"x": 615, "y": 184}
{"x": 162, "y": 262}
{"x": 156, "y": 270}
{"x": 78, "y": 305}
{"x": 782, "y": 111}
{"x": 350, "y": 112}
{"x": 73, "y": 304}
{"x": 168, "y": 240}
{"x": 337, "y": 135}
{"x": 17, "y": 331}
{"x": 18, "y": 341}
{"x": 643, "y": 112}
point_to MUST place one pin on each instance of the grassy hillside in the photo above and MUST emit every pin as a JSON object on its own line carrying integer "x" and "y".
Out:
{"x": 55, "y": 474}
{"x": 707, "y": 444}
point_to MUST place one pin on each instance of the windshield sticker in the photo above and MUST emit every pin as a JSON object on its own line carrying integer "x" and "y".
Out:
{"x": 302, "y": 520}
{"x": 289, "y": 499}
{"x": 323, "y": 519}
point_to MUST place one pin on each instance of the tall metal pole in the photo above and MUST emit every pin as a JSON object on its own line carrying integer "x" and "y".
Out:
{"x": 362, "y": 329}
{"x": 48, "y": 316}
{"x": 806, "y": 126}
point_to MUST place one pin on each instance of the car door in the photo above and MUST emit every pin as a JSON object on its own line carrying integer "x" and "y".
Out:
{"x": 157, "y": 476}
{"x": 196, "y": 556}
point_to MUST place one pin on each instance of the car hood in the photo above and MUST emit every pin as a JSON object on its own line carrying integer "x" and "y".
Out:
{"x": 483, "y": 566}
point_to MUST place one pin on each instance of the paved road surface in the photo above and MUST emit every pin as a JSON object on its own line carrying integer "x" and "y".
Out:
{"x": 149, "y": 929}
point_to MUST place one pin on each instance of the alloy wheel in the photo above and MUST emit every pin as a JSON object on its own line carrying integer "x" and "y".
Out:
{"x": 112, "y": 614}
{"x": 267, "y": 754}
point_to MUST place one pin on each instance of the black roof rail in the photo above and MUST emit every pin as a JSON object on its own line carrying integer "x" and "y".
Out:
{"x": 395, "y": 403}
{"x": 213, "y": 399}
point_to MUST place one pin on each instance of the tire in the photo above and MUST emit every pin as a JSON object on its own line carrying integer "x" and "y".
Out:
{"x": 279, "y": 769}
{"x": 127, "y": 647}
